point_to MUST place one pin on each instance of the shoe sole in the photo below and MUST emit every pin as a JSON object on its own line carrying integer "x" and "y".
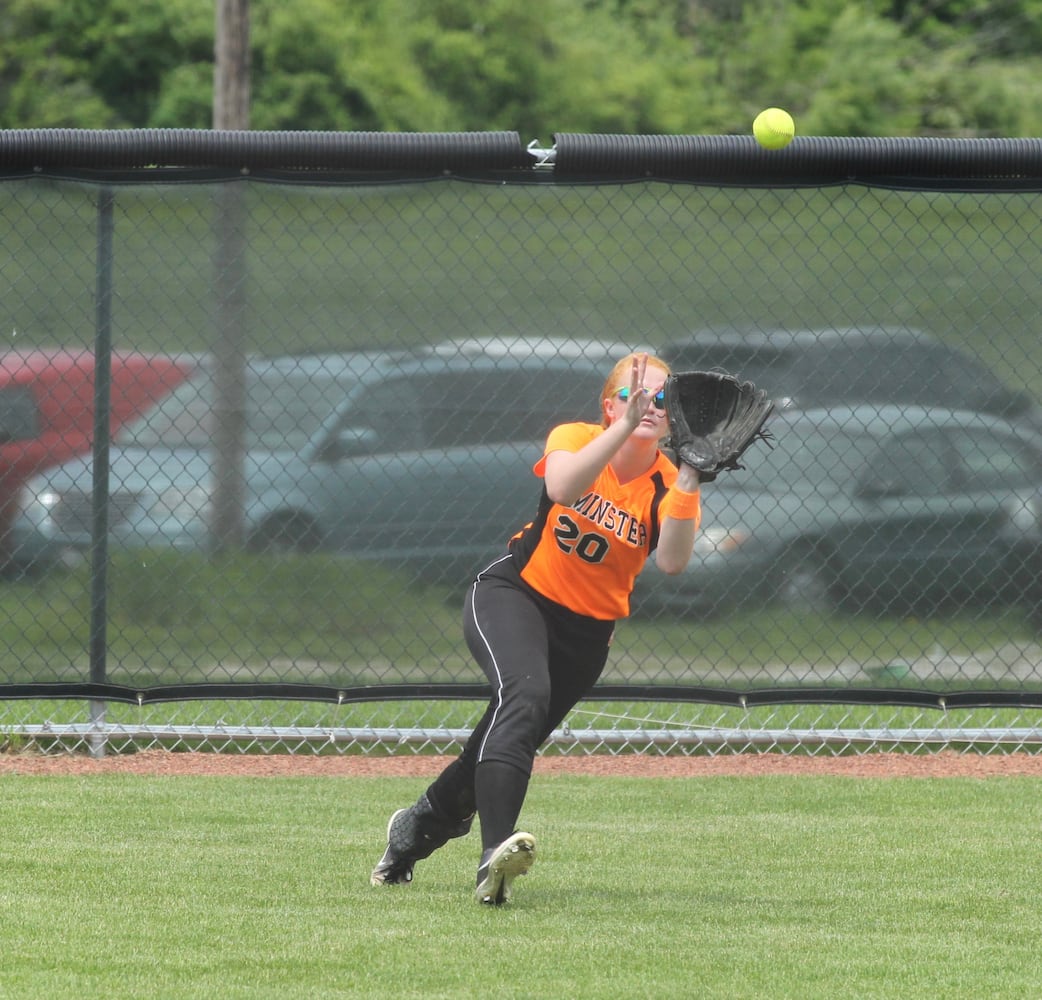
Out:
{"x": 513, "y": 857}
{"x": 377, "y": 877}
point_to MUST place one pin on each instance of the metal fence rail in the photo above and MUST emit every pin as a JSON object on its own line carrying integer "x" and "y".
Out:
{"x": 99, "y": 738}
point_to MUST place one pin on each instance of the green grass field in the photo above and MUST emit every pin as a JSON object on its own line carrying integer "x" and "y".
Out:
{"x": 769, "y": 887}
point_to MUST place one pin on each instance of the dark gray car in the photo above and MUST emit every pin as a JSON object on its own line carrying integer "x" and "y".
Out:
{"x": 802, "y": 369}
{"x": 887, "y": 508}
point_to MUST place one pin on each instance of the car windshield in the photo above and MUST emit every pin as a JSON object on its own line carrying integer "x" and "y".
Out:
{"x": 923, "y": 374}
{"x": 775, "y": 369}
{"x": 848, "y": 371}
{"x": 282, "y": 414}
{"x": 802, "y": 462}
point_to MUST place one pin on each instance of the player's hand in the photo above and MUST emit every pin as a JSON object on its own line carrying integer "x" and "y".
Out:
{"x": 639, "y": 402}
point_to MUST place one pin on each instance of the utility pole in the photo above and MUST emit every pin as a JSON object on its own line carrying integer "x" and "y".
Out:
{"x": 231, "y": 111}
{"x": 231, "y": 81}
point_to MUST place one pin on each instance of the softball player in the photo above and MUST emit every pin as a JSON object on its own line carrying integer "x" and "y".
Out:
{"x": 539, "y": 620}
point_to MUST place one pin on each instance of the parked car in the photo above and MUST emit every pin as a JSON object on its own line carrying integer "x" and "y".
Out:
{"x": 47, "y": 416}
{"x": 521, "y": 347}
{"x": 160, "y": 482}
{"x": 886, "y": 508}
{"x": 425, "y": 458}
{"x": 804, "y": 369}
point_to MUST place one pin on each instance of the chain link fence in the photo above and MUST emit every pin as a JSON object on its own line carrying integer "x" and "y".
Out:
{"x": 261, "y": 426}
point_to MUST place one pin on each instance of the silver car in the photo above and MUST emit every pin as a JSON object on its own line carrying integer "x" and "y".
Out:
{"x": 422, "y": 457}
{"x": 883, "y": 508}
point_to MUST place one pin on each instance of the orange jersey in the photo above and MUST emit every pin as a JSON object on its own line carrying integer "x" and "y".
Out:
{"x": 587, "y": 556}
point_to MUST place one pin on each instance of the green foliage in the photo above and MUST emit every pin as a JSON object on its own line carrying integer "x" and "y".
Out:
{"x": 320, "y": 66}
{"x": 185, "y": 98}
{"x": 96, "y": 64}
{"x": 874, "y": 67}
{"x": 606, "y": 77}
{"x": 963, "y": 95}
{"x": 997, "y": 28}
{"x": 862, "y": 84}
{"x": 134, "y": 45}
{"x": 42, "y": 85}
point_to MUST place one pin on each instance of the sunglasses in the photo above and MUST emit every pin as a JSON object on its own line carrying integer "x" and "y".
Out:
{"x": 658, "y": 398}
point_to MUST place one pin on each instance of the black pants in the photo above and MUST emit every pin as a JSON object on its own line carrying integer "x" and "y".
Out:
{"x": 540, "y": 659}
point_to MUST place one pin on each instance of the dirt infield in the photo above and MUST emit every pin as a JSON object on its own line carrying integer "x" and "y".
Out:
{"x": 946, "y": 764}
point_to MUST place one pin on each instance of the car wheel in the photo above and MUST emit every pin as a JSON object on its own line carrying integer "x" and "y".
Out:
{"x": 804, "y": 581}
{"x": 286, "y": 532}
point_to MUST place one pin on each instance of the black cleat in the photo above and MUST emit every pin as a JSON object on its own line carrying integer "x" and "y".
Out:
{"x": 412, "y": 835}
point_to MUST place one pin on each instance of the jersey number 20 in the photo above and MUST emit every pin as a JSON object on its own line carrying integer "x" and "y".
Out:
{"x": 590, "y": 547}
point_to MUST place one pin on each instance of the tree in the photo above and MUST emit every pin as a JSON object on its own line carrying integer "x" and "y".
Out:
{"x": 862, "y": 67}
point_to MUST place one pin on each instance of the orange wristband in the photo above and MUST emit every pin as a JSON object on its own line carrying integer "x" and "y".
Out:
{"x": 683, "y": 506}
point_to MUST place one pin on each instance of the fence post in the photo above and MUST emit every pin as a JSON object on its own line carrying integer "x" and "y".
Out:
{"x": 100, "y": 485}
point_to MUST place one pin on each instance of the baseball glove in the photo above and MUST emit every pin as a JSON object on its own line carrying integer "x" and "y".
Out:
{"x": 713, "y": 418}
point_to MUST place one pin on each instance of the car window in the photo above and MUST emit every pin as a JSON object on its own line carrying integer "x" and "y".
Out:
{"x": 179, "y": 420}
{"x": 464, "y": 408}
{"x": 19, "y": 414}
{"x": 972, "y": 386}
{"x": 803, "y": 461}
{"x": 387, "y": 416}
{"x": 875, "y": 373}
{"x": 773, "y": 369}
{"x": 283, "y": 411}
{"x": 846, "y": 371}
{"x": 732, "y": 357}
{"x": 996, "y": 460}
{"x": 916, "y": 464}
{"x": 933, "y": 376}
{"x": 914, "y": 374}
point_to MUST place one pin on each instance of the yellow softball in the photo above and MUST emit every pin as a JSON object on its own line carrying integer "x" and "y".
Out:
{"x": 774, "y": 128}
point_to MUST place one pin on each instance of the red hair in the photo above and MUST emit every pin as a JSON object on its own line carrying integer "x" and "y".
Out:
{"x": 621, "y": 374}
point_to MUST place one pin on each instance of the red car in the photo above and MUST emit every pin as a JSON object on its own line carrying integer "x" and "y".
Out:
{"x": 47, "y": 414}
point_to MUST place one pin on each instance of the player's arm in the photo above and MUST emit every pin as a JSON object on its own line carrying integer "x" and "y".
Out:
{"x": 680, "y": 522}
{"x": 570, "y": 474}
